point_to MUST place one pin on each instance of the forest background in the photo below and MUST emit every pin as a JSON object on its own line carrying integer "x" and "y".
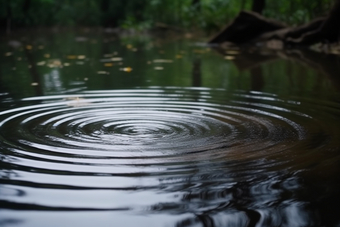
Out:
{"x": 203, "y": 15}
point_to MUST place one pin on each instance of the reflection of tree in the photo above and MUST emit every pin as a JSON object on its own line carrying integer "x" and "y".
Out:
{"x": 325, "y": 64}
{"x": 277, "y": 200}
{"x": 34, "y": 71}
{"x": 257, "y": 81}
{"x": 196, "y": 73}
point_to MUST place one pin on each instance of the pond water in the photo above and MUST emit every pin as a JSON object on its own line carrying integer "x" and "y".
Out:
{"x": 101, "y": 130}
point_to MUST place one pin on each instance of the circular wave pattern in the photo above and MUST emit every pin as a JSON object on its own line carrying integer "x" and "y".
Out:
{"x": 144, "y": 140}
{"x": 148, "y": 124}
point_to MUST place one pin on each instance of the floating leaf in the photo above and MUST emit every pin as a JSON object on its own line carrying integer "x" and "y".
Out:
{"x": 29, "y": 47}
{"x": 158, "y": 68}
{"x": 47, "y": 55}
{"x": 71, "y": 56}
{"x": 34, "y": 84}
{"x": 103, "y": 72}
{"x": 126, "y": 69}
{"x": 229, "y": 57}
{"x": 129, "y": 46}
{"x": 55, "y": 63}
{"x": 117, "y": 59}
{"x": 162, "y": 61}
{"x": 41, "y": 63}
{"x": 232, "y": 52}
{"x": 67, "y": 64}
{"x": 8, "y": 54}
{"x": 81, "y": 57}
{"x": 179, "y": 56}
{"x": 108, "y": 64}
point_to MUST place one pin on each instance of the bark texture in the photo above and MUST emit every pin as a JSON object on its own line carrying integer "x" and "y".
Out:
{"x": 251, "y": 27}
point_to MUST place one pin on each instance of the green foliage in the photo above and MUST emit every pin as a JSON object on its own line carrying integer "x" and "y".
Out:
{"x": 297, "y": 11}
{"x": 143, "y": 14}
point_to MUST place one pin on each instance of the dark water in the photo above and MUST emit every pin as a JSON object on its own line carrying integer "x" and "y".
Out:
{"x": 100, "y": 130}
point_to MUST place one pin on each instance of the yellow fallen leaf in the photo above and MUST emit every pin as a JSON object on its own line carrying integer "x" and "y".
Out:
{"x": 108, "y": 64}
{"x": 29, "y": 47}
{"x": 54, "y": 63}
{"x": 129, "y": 46}
{"x": 71, "y": 57}
{"x": 126, "y": 69}
{"x": 81, "y": 57}
{"x": 47, "y": 55}
{"x": 179, "y": 56}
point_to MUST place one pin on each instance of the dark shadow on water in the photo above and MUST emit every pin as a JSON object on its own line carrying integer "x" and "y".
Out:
{"x": 283, "y": 201}
{"x": 327, "y": 65}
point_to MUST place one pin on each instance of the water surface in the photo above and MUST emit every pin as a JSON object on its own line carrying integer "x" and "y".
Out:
{"x": 97, "y": 129}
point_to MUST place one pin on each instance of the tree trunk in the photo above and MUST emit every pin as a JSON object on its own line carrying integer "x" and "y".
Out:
{"x": 9, "y": 17}
{"x": 327, "y": 32}
{"x": 246, "y": 27}
{"x": 258, "y": 6}
{"x": 251, "y": 27}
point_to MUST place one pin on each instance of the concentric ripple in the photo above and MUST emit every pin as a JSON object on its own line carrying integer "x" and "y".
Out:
{"x": 105, "y": 143}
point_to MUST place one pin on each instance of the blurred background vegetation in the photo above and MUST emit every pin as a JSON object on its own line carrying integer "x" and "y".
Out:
{"x": 208, "y": 15}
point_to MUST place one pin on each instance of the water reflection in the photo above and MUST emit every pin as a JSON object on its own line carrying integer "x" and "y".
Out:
{"x": 225, "y": 160}
{"x": 206, "y": 141}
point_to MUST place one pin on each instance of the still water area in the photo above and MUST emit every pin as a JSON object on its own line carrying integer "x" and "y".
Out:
{"x": 98, "y": 129}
